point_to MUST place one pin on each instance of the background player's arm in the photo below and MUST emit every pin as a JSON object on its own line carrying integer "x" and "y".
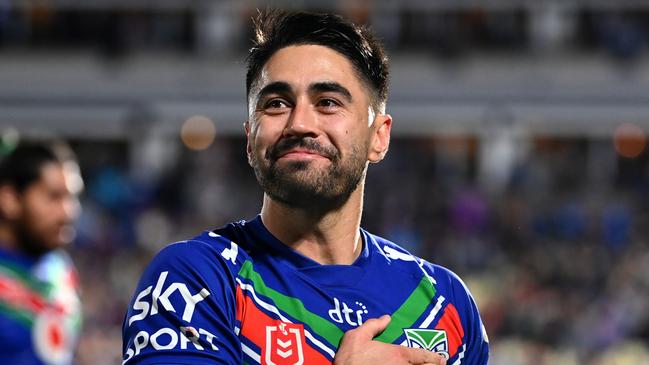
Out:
{"x": 183, "y": 310}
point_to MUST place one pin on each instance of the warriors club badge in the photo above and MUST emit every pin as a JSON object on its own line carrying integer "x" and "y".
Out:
{"x": 431, "y": 340}
{"x": 284, "y": 344}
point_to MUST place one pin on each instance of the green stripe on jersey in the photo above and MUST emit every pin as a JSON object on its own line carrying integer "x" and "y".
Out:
{"x": 12, "y": 270}
{"x": 293, "y": 307}
{"x": 404, "y": 317}
{"x": 409, "y": 312}
{"x": 24, "y": 317}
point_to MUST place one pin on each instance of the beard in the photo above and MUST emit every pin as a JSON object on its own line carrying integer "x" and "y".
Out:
{"x": 299, "y": 184}
{"x": 31, "y": 243}
{"x": 36, "y": 241}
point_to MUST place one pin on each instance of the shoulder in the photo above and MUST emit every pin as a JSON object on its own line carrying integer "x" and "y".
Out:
{"x": 186, "y": 295}
{"x": 208, "y": 261}
{"x": 451, "y": 308}
{"x": 57, "y": 269}
{"x": 398, "y": 258}
{"x": 208, "y": 250}
{"x": 58, "y": 257}
{"x": 447, "y": 281}
{"x": 443, "y": 278}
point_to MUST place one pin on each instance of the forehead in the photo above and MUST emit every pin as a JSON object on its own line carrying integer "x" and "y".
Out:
{"x": 52, "y": 173}
{"x": 303, "y": 65}
{"x": 62, "y": 177}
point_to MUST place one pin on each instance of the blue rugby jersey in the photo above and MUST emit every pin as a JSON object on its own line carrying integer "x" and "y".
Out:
{"x": 238, "y": 295}
{"x": 40, "y": 310}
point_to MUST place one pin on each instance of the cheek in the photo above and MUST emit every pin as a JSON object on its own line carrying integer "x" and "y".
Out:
{"x": 254, "y": 143}
{"x": 39, "y": 210}
{"x": 38, "y": 216}
{"x": 264, "y": 136}
{"x": 38, "y": 225}
{"x": 349, "y": 139}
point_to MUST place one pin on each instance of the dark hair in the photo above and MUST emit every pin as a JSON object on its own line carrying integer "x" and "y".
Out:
{"x": 23, "y": 166}
{"x": 275, "y": 29}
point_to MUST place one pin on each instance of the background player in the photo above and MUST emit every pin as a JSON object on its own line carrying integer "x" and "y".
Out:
{"x": 40, "y": 312}
{"x": 301, "y": 282}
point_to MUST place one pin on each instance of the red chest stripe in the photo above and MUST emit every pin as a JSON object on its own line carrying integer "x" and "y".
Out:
{"x": 254, "y": 325}
{"x": 451, "y": 323}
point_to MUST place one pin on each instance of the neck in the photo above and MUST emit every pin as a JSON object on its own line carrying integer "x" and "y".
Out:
{"x": 8, "y": 239}
{"x": 331, "y": 237}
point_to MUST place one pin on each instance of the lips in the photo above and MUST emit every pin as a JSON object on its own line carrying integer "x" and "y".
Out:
{"x": 304, "y": 147}
{"x": 300, "y": 153}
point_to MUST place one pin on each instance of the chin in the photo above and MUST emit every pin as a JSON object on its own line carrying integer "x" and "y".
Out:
{"x": 62, "y": 239}
{"x": 54, "y": 244}
{"x": 67, "y": 235}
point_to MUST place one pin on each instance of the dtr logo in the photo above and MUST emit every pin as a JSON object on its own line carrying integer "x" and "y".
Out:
{"x": 284, "y": 344}
{"x": 351, "y": 317}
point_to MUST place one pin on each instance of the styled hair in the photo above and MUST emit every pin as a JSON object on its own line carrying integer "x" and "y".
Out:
{"x": 23, "y": 166}
{"x": 274, "y": 30}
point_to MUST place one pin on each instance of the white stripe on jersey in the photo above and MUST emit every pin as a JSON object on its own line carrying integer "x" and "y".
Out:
{"x": 273, "y": 309}
{"x": 433, "y": 313}
{"x": 460, "y": 356}
{"x": 251, "y": 353}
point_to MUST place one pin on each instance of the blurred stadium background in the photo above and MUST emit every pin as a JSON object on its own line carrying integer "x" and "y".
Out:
{"x": 519, "y": 155}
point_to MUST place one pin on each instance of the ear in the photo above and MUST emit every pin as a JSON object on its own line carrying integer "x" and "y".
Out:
{"x": 381, "y": 137}
{"x": 246, "y": 127}
{"x": 10, "y": 207}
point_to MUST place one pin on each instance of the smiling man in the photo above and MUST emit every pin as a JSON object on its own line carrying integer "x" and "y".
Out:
{"x": 302, "y": 283}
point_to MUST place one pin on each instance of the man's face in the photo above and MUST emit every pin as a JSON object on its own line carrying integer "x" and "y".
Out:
{"x": 47, "y": 210}
{"x": 311, "y": 131}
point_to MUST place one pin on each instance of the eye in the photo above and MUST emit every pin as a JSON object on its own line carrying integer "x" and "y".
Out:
{"x": 328, "y": 103}
{"x": 276, "y": 104}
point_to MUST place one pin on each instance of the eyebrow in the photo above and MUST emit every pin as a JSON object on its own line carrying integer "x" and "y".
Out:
{"x": 277, "y": 87}
{"x": 281, "y": 87}
{"x": 330, "y": 86}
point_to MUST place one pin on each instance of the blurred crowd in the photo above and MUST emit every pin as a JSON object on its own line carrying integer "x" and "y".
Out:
{"x": 558, "y": 259}
{"x": 443, "y": 28}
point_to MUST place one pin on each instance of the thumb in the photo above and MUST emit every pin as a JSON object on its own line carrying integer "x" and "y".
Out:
{"x": 373, "y": 327}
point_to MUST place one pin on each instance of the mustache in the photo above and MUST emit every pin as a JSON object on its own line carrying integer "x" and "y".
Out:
{"x": 308, "y": 144}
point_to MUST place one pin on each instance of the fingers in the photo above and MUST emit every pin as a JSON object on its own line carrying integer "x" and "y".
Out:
{"x": 422, "y": 357}
{"x": 372, "y": 328}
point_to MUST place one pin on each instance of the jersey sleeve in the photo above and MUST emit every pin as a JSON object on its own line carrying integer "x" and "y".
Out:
{"x": 476, "y": 341}
{"x": 183, "y": 310}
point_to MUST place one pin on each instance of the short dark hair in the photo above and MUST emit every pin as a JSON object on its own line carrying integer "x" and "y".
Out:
{"x": 275, "y": 29}
{"x": 23, "y": 166}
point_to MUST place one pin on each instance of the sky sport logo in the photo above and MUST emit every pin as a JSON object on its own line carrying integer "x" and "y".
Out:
{"x": 431, "y": 340}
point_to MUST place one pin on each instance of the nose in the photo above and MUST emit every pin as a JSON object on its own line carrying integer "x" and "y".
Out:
{"x": 302, "y": 121}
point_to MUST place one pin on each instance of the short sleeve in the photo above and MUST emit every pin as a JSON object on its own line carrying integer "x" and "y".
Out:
{"x": 183, "y": 310}
{"x": 476, "y": 342}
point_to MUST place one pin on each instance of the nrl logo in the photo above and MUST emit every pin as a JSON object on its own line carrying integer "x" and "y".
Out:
{"x": 431, "y": 340}
{"x": 284, "y": 344}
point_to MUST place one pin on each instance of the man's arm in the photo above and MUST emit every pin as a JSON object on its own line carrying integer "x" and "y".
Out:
{"x": 183, "y": 310}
